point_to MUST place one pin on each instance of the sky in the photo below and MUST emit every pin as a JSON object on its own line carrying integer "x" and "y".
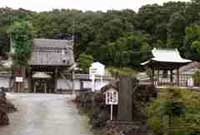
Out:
{"x": 94, "y": 5}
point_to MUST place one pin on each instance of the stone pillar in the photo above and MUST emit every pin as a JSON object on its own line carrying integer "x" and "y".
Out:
{"x": 125, "y": 105}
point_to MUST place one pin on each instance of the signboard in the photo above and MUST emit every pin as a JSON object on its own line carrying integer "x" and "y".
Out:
{"x": 92, "y": 71}
{"x": 111, "y": 97}
{"x": 19, "y": 79}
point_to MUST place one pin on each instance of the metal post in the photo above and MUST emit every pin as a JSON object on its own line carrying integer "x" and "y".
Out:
{"x": 111, "y": 112}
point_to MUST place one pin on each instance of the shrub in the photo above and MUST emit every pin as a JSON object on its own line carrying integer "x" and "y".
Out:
{"x": 196, "y": 78}
{"x": 176, "y": 111}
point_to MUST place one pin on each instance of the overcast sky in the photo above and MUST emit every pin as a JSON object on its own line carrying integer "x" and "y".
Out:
{"x": 45, "y": 5}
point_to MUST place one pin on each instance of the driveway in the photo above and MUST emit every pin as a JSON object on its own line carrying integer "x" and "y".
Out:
{"x": 45, "y": 114}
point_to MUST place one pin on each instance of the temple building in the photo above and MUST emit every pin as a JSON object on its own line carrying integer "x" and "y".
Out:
{"x": 164, "y": 67}
{"x": 50, "y": 59}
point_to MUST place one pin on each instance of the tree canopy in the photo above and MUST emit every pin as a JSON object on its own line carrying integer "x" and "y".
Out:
{"x": 21, "y": 42}
{"x": 116, "y": 38}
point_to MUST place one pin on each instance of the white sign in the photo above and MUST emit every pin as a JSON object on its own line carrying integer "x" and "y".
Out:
{"x": 19, "y": 79}
{"x": 111, "y": 97}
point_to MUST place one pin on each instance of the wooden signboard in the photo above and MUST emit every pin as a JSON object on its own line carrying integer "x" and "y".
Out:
{"x": 111, "y": 99}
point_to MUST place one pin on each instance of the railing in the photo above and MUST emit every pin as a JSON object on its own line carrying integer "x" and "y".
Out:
{"x": 183, "y": 80}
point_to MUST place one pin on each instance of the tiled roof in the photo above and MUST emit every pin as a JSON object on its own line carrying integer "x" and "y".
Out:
{"x": 166, "y": 55}
{"x": 52, "y": 52}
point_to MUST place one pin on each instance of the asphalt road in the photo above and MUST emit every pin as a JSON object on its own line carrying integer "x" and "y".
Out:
{"x": 45, "y": 114}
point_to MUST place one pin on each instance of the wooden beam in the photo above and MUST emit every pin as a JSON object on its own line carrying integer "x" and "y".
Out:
{"x": 171, "y": 76}
{"x": 73, "y": 83}
{"x": 177, "y": 76}
{"x": 158, "y": 76}
{"x": 55, "y": 79}
{"x": 153, "y": 74}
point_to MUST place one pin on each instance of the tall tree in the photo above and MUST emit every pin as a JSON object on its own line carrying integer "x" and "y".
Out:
{"x": 21, "y": 42}
{"x": 176, "y": 29}
{"x": 191, "y": 47}
{"x": 21, "y": 34}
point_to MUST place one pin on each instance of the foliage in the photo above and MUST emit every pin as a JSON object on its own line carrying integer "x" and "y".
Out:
{"x": 192, "y": 37}
{"x": 117, "y": 72}
{"x": 196, "y": 78}
{"x": 93, "y": 105}
{"x": 130, "y": 49}
{"x": 175, "y": 111}
{"x": 21, "y": 36}
{"x": 118, "y": 38}
{"x": 85, "y": 61}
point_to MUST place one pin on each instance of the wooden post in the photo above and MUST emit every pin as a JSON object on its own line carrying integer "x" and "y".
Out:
{"x": 34, "y": 87}
{"x": 45, "y": 87}
{"x": 153, "y": 74}
{"x": 177, "y": 76}
{"x": 158, "y": 76}
{"x": 30, "y": 80}
{"x": 171, "y": 76}
{"x": 18, "y": 87}
{"x": 73, "y": 78}
{"x": 55, "y": 79}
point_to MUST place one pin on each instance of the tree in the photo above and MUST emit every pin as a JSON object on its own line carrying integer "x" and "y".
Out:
{"x": 176, "y": 28}
{"x": 21, "y": 36}
{"x": 85, "y": 61}
{"x": 191, "y": 42}
{"x": 21, "y": 42}
{"x": 129, "y": 50}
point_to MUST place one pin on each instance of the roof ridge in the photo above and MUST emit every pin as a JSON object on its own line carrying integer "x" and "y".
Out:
{"x": 166, "y": 49}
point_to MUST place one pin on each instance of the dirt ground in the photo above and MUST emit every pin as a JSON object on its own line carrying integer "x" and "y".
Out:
{"x": 45, "y": 114}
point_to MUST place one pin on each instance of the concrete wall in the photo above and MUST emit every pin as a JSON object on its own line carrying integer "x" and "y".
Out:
{"x": 4, "y": 82}
{"x": 80, "y": 84}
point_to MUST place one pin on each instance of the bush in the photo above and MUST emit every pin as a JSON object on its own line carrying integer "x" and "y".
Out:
{"x": 93, "y": 105}
{"x": 196, "y": 78}
{"x": 176, "y": 111}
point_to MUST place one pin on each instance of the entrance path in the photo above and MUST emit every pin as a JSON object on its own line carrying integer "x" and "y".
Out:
{"x": 45, "y": 114}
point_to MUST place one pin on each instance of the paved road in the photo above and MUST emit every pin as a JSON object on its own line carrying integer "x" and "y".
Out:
{"x": 41, "y": 114}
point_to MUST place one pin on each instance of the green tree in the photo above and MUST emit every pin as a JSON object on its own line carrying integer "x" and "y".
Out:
{"x": 21, "y": 40}
{"x": 128, "y": 50}
{"x": 191, "y": 42}
{"x": 85, "y": 61}
{"x": 176, "y": 28}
